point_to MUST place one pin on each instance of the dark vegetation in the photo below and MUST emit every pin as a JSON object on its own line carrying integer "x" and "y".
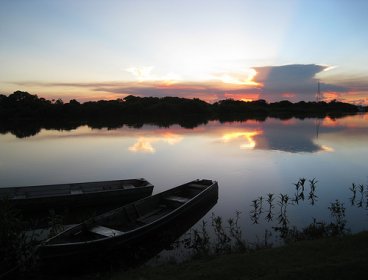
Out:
{"x": 16, "y": 248}
{"x": 24, "y": 114}
{"x": 331, "y": 258}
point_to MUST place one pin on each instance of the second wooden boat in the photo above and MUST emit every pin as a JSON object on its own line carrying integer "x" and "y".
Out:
{"x": 76, "y": 194}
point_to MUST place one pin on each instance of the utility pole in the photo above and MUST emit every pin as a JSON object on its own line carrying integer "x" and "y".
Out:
{"x": 318, "y": 94}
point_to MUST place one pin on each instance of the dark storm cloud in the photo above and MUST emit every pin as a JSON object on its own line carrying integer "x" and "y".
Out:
{"x": 296, "y": 82}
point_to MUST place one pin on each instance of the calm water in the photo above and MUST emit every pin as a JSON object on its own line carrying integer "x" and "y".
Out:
{"x": 248, "y": 159}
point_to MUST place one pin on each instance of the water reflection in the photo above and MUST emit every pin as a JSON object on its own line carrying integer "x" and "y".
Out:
{"x": 145, "y": 144}
{"x": 289, "y": 136}
{"x": 248, "y": 158}
{"x": 248, "y": 136}
{"x": 292, "y": 135}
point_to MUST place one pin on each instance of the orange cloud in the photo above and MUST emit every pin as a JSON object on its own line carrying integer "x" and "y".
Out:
{"x": 329, "y": 96}
{"x": 294, "y": 82}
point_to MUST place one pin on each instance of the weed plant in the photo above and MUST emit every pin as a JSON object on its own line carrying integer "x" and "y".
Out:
{"x": 273, "y": 208}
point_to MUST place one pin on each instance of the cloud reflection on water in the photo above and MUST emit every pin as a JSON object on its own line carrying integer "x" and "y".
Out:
{"x": 144, "y": 144}
{"x": 292, "y": 135}
{"x": 248, "y": 136}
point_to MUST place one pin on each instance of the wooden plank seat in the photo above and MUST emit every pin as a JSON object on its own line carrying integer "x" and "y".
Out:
{"x": 77, "y": 191}
{"x": 146, "y": 218}
{"x": 177, "y": 199}
{"x": 127, "y": 187}
{"x": 20, "y": 196}
{"x": 105, "y": 231}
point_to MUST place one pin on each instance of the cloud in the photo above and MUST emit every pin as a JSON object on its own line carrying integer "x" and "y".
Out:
{"x": 145, "y": 73}
{"x": 244, "y": 77}
{"x": 208, "y": 91}
{"x": 141, "y": 73}
{"x": 294, "y": 82}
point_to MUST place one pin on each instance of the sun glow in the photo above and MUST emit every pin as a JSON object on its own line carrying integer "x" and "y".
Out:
{"x": 248, "y": 136}
{"x": 238, "y": 78}
{"x": 145, "y": 74}
{"x": 246, "y": 97}
{"x": 142, "y": 74}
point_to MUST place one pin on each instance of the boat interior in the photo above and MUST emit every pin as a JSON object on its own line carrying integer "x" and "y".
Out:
{"x": 135, "y": 215}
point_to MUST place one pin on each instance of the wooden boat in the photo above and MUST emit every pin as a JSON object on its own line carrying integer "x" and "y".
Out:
{"x": 139, "y": 253}
{"x": 128, "y": 224}
{"x": 77, "y": 194}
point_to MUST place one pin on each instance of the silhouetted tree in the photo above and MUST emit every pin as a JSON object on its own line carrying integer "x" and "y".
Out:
{"x": 22, "y": 111}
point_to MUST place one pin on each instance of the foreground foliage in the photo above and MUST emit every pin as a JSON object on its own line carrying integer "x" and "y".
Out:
{"x": 16, "y": 249}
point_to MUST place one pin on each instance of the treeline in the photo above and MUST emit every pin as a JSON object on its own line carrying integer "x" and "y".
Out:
{"x": 22, "y": 105}
{"x": 22, "y": 111}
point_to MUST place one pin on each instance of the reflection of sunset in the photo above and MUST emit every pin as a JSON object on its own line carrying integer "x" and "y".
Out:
{"x": 171, "y": 138}
{"x": 359, "y": 121}
{"x": 247, "y": 135}
{"x": 144, "y": 144}
{"x": 328, "y": 122}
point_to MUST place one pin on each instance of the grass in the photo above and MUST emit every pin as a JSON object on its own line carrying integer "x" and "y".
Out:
{"x": 330, "y": 258}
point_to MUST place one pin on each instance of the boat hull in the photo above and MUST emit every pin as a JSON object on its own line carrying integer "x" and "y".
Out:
{"x": 77, "y": 195}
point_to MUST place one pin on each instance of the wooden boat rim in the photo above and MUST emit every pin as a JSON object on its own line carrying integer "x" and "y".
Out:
{"x": 73, "y": 184}
{"x": 27, "y": 194}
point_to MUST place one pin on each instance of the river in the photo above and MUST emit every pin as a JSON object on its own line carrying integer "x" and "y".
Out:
{"x": 248, "y": 159}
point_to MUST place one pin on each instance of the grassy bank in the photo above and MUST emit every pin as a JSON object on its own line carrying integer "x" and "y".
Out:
{"x": 330, "y": 258}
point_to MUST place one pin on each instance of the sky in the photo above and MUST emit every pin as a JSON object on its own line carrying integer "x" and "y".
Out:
{"x": 208, "y": 49}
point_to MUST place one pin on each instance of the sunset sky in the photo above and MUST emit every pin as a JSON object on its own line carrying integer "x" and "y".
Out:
{"x": 274, "y": 50}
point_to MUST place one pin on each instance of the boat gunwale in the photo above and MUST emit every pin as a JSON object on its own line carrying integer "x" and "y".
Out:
{"x": 50, "y": 194}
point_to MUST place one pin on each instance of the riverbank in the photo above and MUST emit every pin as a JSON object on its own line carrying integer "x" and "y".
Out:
{"x": 330, "y": 258}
